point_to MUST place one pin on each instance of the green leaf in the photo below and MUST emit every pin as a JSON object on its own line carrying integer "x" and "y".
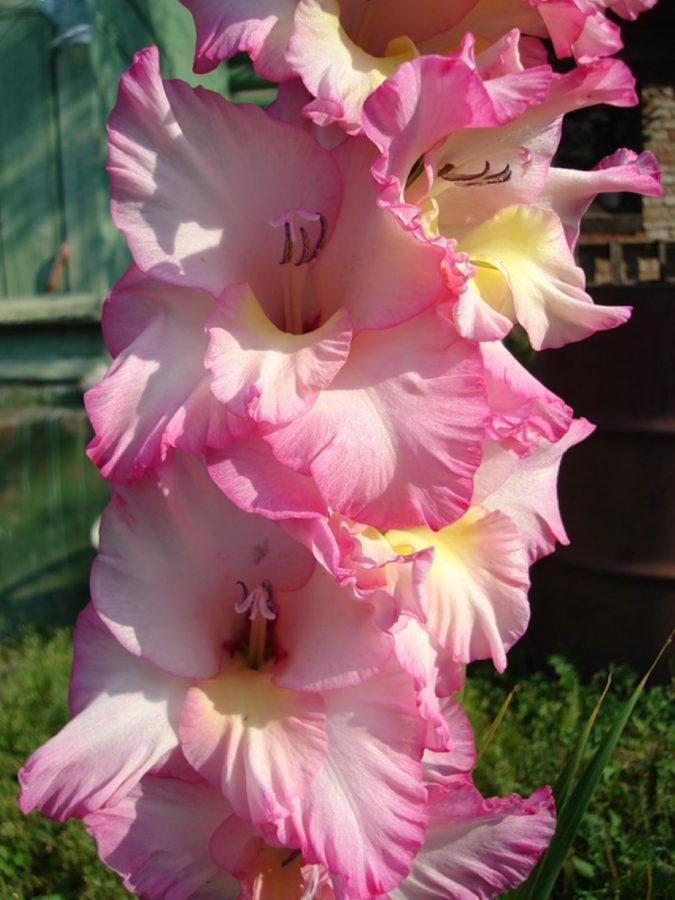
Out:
{"x": 542, "y": 881}
{"x": 566, "y": 778}
{"x": 492, "y": 730}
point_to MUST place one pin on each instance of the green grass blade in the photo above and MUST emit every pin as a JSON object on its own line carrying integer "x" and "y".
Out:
{"x": 541, "y": 883}
{"x": 566, "y": 778}
{"x": 562, "y": 788}
{"x": 492, "y": 730}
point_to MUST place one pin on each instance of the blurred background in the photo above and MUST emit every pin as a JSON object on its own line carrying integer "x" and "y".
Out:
{"x": 60, "y": 61}
{"x": 606, "y": 601}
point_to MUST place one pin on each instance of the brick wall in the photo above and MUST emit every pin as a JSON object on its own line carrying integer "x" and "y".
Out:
{"x": 658, "y": 110}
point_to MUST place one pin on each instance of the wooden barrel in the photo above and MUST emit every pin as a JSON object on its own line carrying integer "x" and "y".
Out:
{"x": 610, "y": 595}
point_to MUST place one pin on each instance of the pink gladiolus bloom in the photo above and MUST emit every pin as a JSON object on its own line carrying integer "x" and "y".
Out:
{"x": 474, "y": 594}
{"x": 468, "y": 582}
{"x": 485, "y": 185}
{"x": 343, "y": 50}
{"x": 337, "y": 368}
{"x": 465, "y": 596}
{"x": 214, "y": 632}
{"x": 169, "y": 837}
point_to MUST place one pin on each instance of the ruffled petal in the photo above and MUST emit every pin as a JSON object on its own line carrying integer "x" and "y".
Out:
{"x": 403, "y": 419}
{"x": 460, "y": 755}
{"x": 390, "y": 276}
{"x": 417, "y": 654}
{"x": 477, "y": 586}
{"x": 335, "y": 70}
{"x": 523, "y": 410}
{"x": 577, "y": 28}
{"x": 479, "y": 313}
{"x": 364, "y": 814}
{"x": 477, "y": 848}
{"x": 328, "y": 638}
{"x": 126, "y": 718}
{"x": 570, "y": 192}
{"x": 260, "y": 28}
{"x": 264, "y": 373}
{"x": 156, "y": 393}
{"x": 260, "y": 744}
{"x": 197, "y": 188}
{"x": 157, "y": 838}
{"x": 527, "y": 245}
{"x": 367, "y": 559}
{"x": 526, "y": 490}
{"x": 253, "y": 478}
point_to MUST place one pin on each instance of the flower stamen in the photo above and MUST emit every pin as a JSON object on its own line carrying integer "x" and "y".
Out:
{"x": 292, "y": 856}
{"x": 448, "y": 172}
{"x": 287, "y": 255}
{"x": 296, "y": 233}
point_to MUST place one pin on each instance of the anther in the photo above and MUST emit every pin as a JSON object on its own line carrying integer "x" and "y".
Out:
{"x": 287, "y": 255}
{"x": 242, "y": 605}
{"x": 295, "y": 233}
{"x": 323, "y": 225}
{"x": 261, "y": 608}
{"x": 292, "y": 856}
{"x": 269, "y": 609}
{"x": 498, "y": 177}
{"x": 477, "y": 179}
{"x": 448, "y": 173}
{"x": 306, "y": 253}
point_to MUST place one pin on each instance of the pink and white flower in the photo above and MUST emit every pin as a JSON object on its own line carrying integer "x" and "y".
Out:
{"x": 343, "y": 50}
{"x": 169, "y": 837}
{"x": 213, "y": 634}
{"x": 460, "y": 594}
{"x": 485, "y": 186}
{"x": 318, "y": 359}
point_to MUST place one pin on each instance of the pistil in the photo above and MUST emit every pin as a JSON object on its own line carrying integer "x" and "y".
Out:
{"x": 294, "y": 288}
{"x": 256, "y": 643}
{"x": 259, "y": 604}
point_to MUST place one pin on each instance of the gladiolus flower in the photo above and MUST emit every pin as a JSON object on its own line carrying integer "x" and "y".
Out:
{"x": 485, "y": 185}
{"x": 343, "y": 50}
{"x": 214, "y": 632}
{"x": 176, "y": 837}
{"x": 325, "y": 359}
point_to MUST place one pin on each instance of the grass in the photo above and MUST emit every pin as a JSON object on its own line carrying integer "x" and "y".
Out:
{"x": 50, "y": 495}
{"x": 622, "y": 850}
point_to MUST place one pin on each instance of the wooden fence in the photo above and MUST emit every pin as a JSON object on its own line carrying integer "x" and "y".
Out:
{"x": 60, "y": 61}
{"x": 55, "y": 94}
